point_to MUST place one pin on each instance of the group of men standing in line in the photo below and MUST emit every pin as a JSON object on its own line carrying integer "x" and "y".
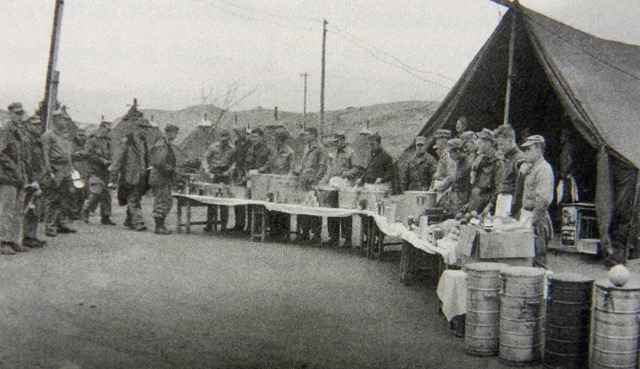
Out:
{"x": 474, "y": 171}
{"x": 40, "y": 180}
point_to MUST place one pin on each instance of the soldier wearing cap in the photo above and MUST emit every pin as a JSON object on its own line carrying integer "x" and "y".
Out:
{"x": 417, "y": 174}
{"x": 259, "y": 152}
{"x": 340, "y": 165}
{"x": 461, "y": 126}
{"x": 163, "y": 172}
{"x": 12, "y": 181}
{"x": 445, "y": 167}
{"x": 130, "y": 167}
{"x": 80, "y": 163}
{"x": 58, "y": 150}
{"x": 280, "y": 162}
{"x": 538, "y": 194}
{"x": 469, "y": 146}
{"x": 219, "y": 164}
{"x": 98, "y": 152}
{"x": 381, "y": 167}
{"x": 310, "y": 172}
{"x": 486, "y": 181}
{"x": 37, "y": 176}
{"x": 513, "y": 157}
{"x": 457, "y": 196}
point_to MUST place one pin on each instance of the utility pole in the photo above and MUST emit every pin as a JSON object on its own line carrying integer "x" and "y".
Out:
{"x": 49, "y": 97}
{"x": 304, "y": 109}
{"x": 324, "y": 49}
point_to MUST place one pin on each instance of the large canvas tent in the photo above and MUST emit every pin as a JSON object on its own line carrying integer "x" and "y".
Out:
{"x": 562, "y": 80}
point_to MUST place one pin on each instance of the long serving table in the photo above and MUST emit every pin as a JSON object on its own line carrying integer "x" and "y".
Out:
{"x": 372, "y": 228}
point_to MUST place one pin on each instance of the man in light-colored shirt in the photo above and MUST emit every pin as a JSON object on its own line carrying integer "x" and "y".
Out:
{"x": 538, "y": 194}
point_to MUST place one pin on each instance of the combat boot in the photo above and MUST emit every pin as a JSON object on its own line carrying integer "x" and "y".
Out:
{"x": 106, "y": 220}
{"x": 6, "y": 249}
{"x": 127, "y": 221}
{"x": 160, "y": 228}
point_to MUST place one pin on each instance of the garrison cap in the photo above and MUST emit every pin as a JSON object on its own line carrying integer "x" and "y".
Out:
{"x": 16, "y": 108}
{"x": 468, "y": 135}
{"x": 171, "y": 128}
{"x": 486, "y": 134}
{"x": 454, "y": 143}
{"x": 442, "y": 133}
{"x": 34, "y": 119}
{"x": 421, "y": 139}
{"x": 531, "y": 140}
{"x": 366, "y": 131}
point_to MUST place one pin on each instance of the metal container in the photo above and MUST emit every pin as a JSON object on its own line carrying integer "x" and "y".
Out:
{"x": 482, "y": 325}
{"x": 348, "y": 197}
{"x": 260, "y": 186}
{"x": 522, "y": 316}
{"x": 615, "y": 325}
{"x": 327, "y": 196}
{"x": 568, "y": 321}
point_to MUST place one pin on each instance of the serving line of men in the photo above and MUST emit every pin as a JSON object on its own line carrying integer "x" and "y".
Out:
{"x": 476, "y": 169}
{"x": 316, "y": 166}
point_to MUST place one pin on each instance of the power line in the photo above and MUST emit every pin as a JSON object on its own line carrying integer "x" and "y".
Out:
{"x": 397, "y": 59}
{"x": 281, "y": 16}
{"x": 248, "y": 17}
{"x": 376, "y": 56}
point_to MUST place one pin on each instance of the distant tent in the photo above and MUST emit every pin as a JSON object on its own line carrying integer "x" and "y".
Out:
{"x": 129, "y": 123}
{"x": 563, "y": 78}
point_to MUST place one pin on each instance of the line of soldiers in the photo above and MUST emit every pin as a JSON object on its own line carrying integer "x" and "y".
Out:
{"x": 40, "y": 180}
{"x": 316, "y": 166}
{"x": 477, "y": 170}
{"x": 35, "y": 179}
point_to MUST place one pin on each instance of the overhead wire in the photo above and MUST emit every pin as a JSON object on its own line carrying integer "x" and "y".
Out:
{"x": 375, "y": 55}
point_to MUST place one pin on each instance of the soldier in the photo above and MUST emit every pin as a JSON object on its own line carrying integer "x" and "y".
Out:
{"x": 98, "y": 153}
{"x": 340, "y": 165}
{"x": 280, "y": 162}
{"x": 486, "y": 182}
{"x": 538, "y": 194}
{"x": 81, "y": 164}
{"x": 218, "y": 164}
{"x": 311, "y": 170}
{"x": 36, "y": 174}
{"x": 418, "y": 173}
{"x": 242, "y": 145}
{"x": 445, "y": 169}
{"x": 513, "y": 157}
{"x": 12, "y": 181}
{"x": 457, "y": 196}
{"x": 381, "y": 167}
{"x": 469, "y": 146}
{"x": 130, "y": 163}
{"x": 258, "y": 152}
{"x": 58, "y": 198}
{"x": 461, "y": 126}
{"x": 163, "y": 171}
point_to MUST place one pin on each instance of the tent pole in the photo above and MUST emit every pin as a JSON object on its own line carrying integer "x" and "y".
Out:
{"x": 507, "y": 97}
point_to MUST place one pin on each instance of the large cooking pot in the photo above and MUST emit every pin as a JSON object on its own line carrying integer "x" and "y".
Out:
{"x": 327, "y": 196}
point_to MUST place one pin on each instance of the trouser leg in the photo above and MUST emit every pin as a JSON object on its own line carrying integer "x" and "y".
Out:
{"x": 105, "y": 203}
{"x": 162, "y": 201}
{"x": 241, "y": 217}
{"x": 134, "y": 207}
{"x": 333, "y": 226}
{"x": 543, "y": 232}
{"x": 11, "y": 216}
{"x": 346, "y": 227}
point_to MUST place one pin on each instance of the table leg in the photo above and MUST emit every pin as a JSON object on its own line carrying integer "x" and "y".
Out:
{"x": 405, "y": 260}
{"x": 263, "y": 229}
{"x": 179, "y": 216}
{"x": 188, "y": 225}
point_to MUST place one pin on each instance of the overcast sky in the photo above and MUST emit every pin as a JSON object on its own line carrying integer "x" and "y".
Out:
{"x": 172, "y": 53}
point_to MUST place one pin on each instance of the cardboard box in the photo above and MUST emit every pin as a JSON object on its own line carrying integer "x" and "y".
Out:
{"x": 505, "y": 245}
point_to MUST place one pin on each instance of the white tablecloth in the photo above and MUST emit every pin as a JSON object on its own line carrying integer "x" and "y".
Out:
{"x": 452, "y": 292}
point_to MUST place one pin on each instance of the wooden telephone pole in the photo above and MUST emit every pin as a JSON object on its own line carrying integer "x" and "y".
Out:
{"x": 304, "y": 107}
{"x": 324, "y": 49}
{"x": 50, "y": 90}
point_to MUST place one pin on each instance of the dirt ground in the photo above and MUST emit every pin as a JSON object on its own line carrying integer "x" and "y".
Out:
{"x": 112, "y": 298}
